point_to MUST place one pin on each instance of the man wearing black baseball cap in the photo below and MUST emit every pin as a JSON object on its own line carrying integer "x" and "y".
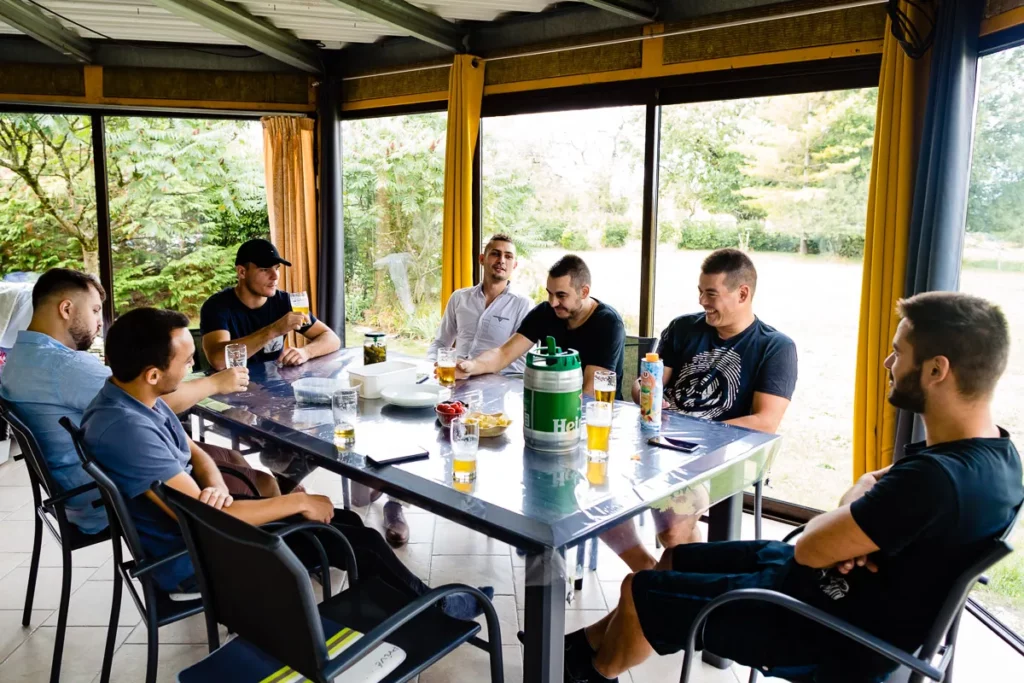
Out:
{"x": 255, "y": 313}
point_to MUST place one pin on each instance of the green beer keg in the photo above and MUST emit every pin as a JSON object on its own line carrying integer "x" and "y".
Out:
{"x": 552, "y": 398}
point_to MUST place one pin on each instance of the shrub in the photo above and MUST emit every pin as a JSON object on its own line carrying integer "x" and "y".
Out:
{"x": 706, "y": 235}
{"x": 574, "y": 240}
{"x": 615, "y": 234}
{"x": 668, "y": 233}
{"x": 550, "y": 229}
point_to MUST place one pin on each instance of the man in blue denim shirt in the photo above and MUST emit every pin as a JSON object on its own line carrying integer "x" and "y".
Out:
{"x": 49, "y": 375}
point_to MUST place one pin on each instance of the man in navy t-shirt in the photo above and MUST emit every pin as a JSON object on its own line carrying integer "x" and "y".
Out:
{"x": 885, "y": 560}
{"x": 255, "y": 313}
{"x": 723, "y": 364}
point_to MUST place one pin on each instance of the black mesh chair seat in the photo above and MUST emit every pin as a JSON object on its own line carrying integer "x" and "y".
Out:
{"x": 425, "y": 639}
{"x": 75, "y": 538}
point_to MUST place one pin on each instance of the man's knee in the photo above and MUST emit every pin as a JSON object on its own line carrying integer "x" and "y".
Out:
{"x": 683, "y": 530}
{"x": 665, "y": 563}
{"x": 626, "y": 594}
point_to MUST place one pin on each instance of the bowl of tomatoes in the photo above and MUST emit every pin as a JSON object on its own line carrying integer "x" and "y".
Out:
{"x": 448, "y": 411}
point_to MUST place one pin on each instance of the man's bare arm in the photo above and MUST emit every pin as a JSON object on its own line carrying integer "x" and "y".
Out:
{"x": 832, "y": 538}
{"x": 192, "y": 392}
{"x": 495, "y": 360}
{"x": 321, "y": 340}
{"x": 766, "y": 413}
{"x": 215, "y": 341}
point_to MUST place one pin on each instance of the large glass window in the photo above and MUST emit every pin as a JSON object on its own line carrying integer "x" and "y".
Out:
{"x": 394, "y": 202}
{"x": 47, "y": 195}
{"x": 184, "y": 193}
{"x": 993, "y": 267}
{"x": 786, "y": 179}
{"x": 569, "y": 182}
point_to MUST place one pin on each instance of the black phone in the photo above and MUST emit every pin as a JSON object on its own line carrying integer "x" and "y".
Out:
{"x": 396, "y": 456}
{"x": 673, "y": 444}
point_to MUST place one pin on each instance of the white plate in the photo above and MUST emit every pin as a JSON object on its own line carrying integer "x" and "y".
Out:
{"x": 414, "y": 395}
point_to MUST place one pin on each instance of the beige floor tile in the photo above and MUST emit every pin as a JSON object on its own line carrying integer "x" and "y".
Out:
{"x": 190, "y": 631}
{"x": 14, "y": 497}
{"x": 17, "y": 535}
{"x": 82, "y": 659}
{"x": 25, "y": 513}
{"x": 421, "y": 526}
{"x": 90, "y": 606}
{"x": 483, "y": 570}
{"x": 14, "y": 473}
{"x": 517, "y": 559}
{"x": 417, "y": 557}
{"x": 587, "y": 599}
{"x": 8, "y": 561}
{"x": 611, "y": 590}
{"x": 130, "y": 662}
{"x": 12, "y": 633}
{"x": 574, "y": 619}
{"x": 453, "y": 539}
{"x": 508, "y": 620}
{"x": 338, "y": 582}
{"x": 91, "y": 556}
{"x": 983, "y": 656}
{"x": 471, "y": 665}
{"x": 12, "y": 587}
{"x": 660, "y": 669}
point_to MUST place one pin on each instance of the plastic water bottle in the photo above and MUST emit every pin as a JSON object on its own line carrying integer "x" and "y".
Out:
{"x": 652, "y": 372}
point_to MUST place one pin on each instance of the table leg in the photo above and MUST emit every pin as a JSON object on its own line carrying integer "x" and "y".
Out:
{"x": 346, "y": 497}
{"x": 545, "y": 617}
{"x": 725, "y": 523}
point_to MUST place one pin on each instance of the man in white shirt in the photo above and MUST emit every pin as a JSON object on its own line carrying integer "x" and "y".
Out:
{"x": 485, "y": 316}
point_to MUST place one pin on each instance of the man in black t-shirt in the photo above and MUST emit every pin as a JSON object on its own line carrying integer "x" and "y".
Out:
{"x": 885, "y": 560}
{"x": 254, "y": 312}
{"x": 570, "y": 315}
{"x": 723, "y": 364}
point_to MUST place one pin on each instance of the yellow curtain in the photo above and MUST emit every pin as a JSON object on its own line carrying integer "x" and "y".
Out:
{"x": 465, "y": 92}
{"x": 902, "y": 92}
{"x": 291, "y": 200}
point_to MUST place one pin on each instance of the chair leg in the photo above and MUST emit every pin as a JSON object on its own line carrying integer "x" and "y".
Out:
{"x": 753, "y": 675}
{"x": 593, "y": 554}
{"x": 62, "y": 616}
{"x": 153, "y": 651}
{"x": 581, "y": 554}
{"x": 115, "y": 614}
{"x": 758, "y": 490}
{"x": 33, "y": 572}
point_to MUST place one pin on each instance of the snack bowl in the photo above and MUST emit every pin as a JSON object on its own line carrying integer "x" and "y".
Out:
{"x": 491, "y": 424}
{"x": 445, "y": 418}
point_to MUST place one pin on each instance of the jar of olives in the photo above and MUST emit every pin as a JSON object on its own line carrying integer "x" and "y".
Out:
{"x": 375, "y": 348}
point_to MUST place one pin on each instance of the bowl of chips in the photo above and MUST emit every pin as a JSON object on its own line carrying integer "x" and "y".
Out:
{"x": 491, "y": 424}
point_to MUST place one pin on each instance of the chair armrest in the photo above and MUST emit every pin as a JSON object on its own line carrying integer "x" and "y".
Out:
{"x": 68, "y": 495}
{"x": 310, "y": 526}
{"x": 19, "y": 456}
{"x": 147, "y": 567}
{"x": 226, "y": 469}
{"x": 844, "y": 628}
{"x": 369, "y": 641}
{"x": 794, "y": 533}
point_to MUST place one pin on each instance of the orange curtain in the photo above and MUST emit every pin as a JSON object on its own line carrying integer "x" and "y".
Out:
{"x": 902, "y": 92}
{"x": 465, "y": 94}
{"x": 291, "y": 200}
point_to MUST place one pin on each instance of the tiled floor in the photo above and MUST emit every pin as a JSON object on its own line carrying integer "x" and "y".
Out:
{"x": 439, "y": 552}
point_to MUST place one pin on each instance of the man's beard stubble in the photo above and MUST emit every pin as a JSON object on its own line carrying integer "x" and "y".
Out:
{"x": 82, "y": 336}
{"x": 906, "y": 393}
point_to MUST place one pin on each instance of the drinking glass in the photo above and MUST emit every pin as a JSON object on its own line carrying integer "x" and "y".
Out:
{"x": 465, "y": 438}
{"x": 604, "y": 386}
{"x": 446, "y": 367}
{"x": 599, "y": 428}
{"x": 474, "y": 401}
{"x": 345, "y": 404}
{"x": 235, "y": 355}
{"x": 300, "y": 304}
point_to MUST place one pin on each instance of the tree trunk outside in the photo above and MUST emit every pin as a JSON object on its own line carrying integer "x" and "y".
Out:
{"x": 91, "y": 261}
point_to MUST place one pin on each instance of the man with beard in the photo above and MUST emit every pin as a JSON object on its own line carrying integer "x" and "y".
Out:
{"x": 884, "y": 560}
{"x": 49, "y": 375}
{"x": 723, "y": 364}
{"x": 255, "y": 313}
{"x": 485, "y": 316}
{"x": 570, "y": 315}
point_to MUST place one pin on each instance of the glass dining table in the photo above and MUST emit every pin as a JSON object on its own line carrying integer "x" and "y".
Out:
{"x": 542, "y": 503}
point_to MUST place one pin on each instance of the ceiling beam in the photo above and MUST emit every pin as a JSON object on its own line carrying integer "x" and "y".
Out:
{"x": 410, "y": 19}
{"x": 46, "y": 29}
{"x": 641, "y": 10}
{"x": 231, "y": 21}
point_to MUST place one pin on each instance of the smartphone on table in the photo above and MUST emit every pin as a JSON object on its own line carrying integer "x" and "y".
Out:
{"x": 673, "y": 443}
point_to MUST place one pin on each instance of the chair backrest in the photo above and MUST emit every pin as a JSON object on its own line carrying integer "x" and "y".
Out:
{"x": 636, "y": 348}
{"x": 252, "y": 583}
{"x": 121, "y": 522}
{"x": 202, "y": 362}
{"x": 38, "y": 469}
{"x": 995, "y": 550}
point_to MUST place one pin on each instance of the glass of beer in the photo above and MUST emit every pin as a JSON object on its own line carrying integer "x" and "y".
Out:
{"x": 446, "y": 367}
{"x": 300, "y": 304}
{"x": 235, "y": 355}
{"x": 599, "y": 428}
{"x": 345, "y": 405}
{"x": 604, "y": 386}
{"x": 465, "y": 437}
{"x": 597, "y": 469}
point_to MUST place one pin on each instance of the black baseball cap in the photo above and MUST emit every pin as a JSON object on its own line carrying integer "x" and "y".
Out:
{"x": 260, "y": 253}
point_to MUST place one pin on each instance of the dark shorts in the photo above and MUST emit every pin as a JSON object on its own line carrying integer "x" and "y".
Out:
{"x": 776, "y": 641}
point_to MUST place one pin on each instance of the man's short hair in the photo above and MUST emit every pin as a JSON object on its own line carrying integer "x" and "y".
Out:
{"x": 737, "y": 266}
{"x": 573, "y": 266}
{"x": 499, "y": 237}
{"x": 59, "y": 281}
{"x": 141, "y": 339}
{"x": 968, "y": 330}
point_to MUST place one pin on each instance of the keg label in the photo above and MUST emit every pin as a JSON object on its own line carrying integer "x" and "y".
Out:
{"x": 555, "y": 413}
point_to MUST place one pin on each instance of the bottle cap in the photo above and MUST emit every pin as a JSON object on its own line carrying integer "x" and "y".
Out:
{"x": 651, "y": 358}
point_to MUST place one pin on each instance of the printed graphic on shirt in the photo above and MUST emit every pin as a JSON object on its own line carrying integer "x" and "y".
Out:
{"x": 274, "y": 345}
{"x": 707, "y": 386}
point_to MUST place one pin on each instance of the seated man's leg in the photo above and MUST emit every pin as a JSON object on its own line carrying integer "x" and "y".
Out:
{"x": 626, "y": 543}
{"x": 289, "y": 467}
{"x": 677, "y": 523}
{"x": 265, "y": 483}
